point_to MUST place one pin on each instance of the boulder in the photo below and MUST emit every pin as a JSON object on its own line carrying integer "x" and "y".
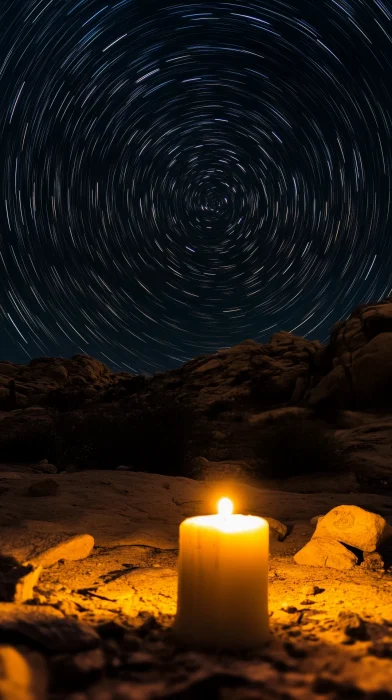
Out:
{"x": 372, "y": 372}
{"x": 325, "y": 551}
{"x": 43, "y": 549}
{"x": 333, "y": 390}
{"x": 355, "y": 527}
{"x": 359, "y": 357}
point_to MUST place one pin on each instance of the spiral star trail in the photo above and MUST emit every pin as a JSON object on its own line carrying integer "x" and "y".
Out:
{"x": 176, "y": 177}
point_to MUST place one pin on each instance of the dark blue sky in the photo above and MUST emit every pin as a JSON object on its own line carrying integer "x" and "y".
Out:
{"x": 177, "y": 177}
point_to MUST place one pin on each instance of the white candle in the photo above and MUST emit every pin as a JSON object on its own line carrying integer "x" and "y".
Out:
{"x": 223, "y": 580}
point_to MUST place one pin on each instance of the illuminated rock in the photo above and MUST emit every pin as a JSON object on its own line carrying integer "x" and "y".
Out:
{"x": 354, "y": 526}
{"x": 326, "y": 552}
{"x": 43, "y": 549}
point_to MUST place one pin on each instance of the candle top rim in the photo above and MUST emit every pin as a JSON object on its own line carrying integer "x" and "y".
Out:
{"x": 235, "y": 523}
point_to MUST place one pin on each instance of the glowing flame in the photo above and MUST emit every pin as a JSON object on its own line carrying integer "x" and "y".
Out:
{"x": 225, "y": 507}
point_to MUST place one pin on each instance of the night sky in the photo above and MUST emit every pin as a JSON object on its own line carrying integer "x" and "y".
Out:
{"x": 176, "y": 177}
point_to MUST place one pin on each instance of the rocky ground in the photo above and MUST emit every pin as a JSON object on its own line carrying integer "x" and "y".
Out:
{"x": 99, "y": 627}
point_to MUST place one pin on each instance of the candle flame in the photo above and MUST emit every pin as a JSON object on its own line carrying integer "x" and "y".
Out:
{"x": 225, "y": 507}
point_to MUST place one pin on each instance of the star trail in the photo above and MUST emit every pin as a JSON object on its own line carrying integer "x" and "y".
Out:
{"x": 176, "y": 177}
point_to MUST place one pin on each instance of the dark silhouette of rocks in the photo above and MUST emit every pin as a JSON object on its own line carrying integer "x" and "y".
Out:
{"x": 233, "y": 394}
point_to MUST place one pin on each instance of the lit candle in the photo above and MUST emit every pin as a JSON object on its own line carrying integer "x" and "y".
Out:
{"x": 223, "y": 580}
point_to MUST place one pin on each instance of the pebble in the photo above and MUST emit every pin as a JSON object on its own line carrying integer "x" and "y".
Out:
{"x": 291, "y": 609}
{"x": 310, "y": 589}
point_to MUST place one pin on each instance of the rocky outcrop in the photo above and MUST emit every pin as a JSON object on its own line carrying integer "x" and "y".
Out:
{"x": 359, "y": 355}
{"x": 248, "y": 374}
{"x": 50, "y": 381}
{"x": 269, "y": 375}
{"x": 230, "y": 393}
{"x": 353, "y": 371}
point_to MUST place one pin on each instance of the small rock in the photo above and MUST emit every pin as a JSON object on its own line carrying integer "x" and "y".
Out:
{"x": 43, "y": 461}
{"x": 46, "y": 487}
{"x": 46, "y": 468}
{"x": 291, "y": 609}
{"x": 279, "y": 528}
{"x": 326, "y": 552}
{"x": 354, "y": 526}
{"x": 310, "y": 589}
{"x": 123, "y": 468}
{"x": 353, "y": 625}
{"x": 373, "y": 561}
{"x": 17, "y": 582}
{"x": 43, "y": 549}
{"x": 22, "y": 677}
{"x": 315, "y": 521}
